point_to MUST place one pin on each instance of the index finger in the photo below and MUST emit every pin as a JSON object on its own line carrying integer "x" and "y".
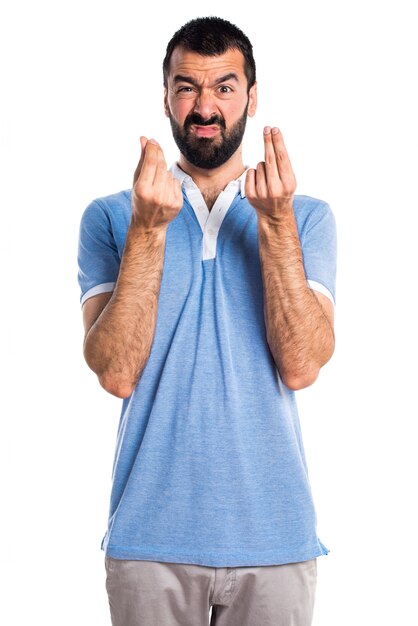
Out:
{"x": 152, "y": 160}
{"x": 161, "y": 168}
{"x": 161, "y": 158}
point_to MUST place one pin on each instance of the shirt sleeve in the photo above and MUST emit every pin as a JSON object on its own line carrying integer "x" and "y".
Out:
{"x": 98, "y": 257}
{"x": 319, "y": 248}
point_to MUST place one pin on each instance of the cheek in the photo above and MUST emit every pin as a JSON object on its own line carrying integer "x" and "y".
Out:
{"x": 232, "y": 114}
{"x": 180, "y": 109}
{"x": 234, "y": 110}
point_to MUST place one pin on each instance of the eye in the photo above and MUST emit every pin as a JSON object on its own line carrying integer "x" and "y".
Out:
{"x": 225, "y": 89}
{"x": 184, "y": 89}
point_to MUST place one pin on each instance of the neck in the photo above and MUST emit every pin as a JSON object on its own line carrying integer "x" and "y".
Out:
{"x": 212, "y": 181}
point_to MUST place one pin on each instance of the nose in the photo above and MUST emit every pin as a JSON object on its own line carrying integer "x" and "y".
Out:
{"x": 205, "y": 104}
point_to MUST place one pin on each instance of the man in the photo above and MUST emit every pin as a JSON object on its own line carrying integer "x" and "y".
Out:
{"x": 207, "y": 296}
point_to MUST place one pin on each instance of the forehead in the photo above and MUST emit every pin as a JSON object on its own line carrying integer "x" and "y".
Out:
{"x": 188, "y": 63}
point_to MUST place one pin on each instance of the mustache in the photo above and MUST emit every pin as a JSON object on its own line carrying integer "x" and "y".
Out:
{"x": 195, "y": 118}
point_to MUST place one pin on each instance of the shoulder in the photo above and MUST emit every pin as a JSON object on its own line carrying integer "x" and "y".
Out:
{"x": 310, "y": 212}
{"x": 114, "y": 205}
{"x": 305, "y": 206}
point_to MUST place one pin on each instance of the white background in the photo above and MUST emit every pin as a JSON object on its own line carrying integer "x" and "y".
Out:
{"x": 82, "y": 82}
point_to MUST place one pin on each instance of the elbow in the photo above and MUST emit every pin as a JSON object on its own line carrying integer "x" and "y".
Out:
{"x": 296, "y": 378}
{"x": 116, "y": 386}
{"x": 295, "y": 381}
{"x": 300, "y": 378}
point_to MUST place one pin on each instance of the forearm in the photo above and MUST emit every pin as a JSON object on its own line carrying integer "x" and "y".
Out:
{"x": 299, "y": 334}
{"x": 118, "y": 344}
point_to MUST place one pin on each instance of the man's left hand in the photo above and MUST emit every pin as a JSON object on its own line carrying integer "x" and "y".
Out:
{"x": 270, "y": 188}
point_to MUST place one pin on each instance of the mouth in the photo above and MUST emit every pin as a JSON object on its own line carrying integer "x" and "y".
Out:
{"x": 204, "y": 131}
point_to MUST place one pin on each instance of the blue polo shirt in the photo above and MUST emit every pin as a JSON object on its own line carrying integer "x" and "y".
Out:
{"x": 209, "y": 465}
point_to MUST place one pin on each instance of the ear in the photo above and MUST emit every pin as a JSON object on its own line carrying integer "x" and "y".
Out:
{"x": 252, "y": 101}
{"x": 166, "y": 101}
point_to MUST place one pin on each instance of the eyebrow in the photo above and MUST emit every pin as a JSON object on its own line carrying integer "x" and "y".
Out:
{"x": 179, "y": 78}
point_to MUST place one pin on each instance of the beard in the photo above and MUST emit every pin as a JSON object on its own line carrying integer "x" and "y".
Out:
{"x": 208, "y": 152}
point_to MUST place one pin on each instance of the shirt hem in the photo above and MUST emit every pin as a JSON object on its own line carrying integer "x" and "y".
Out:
{"x": 269, "y": 557}
{"x": 94, "y": 291}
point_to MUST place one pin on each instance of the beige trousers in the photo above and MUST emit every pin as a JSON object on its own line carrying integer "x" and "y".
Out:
{"x": 153, "y": 593}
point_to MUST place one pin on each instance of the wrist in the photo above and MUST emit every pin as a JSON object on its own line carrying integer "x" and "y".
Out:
{"x": 271, "y": 219}
{"x": 138, "y": 229}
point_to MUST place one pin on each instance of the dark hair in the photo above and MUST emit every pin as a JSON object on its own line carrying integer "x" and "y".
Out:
{"x": 210, "y": 36}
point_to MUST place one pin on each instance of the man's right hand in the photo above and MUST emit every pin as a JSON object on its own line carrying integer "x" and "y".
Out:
{"x": 156, "y": 195}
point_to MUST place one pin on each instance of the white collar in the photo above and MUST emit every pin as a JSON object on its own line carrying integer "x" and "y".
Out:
{"x": 188, "y": 181}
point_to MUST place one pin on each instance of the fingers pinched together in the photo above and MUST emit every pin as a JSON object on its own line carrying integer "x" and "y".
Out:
{"x": 271, "y": 186}
{"x": 156, "y": 195}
